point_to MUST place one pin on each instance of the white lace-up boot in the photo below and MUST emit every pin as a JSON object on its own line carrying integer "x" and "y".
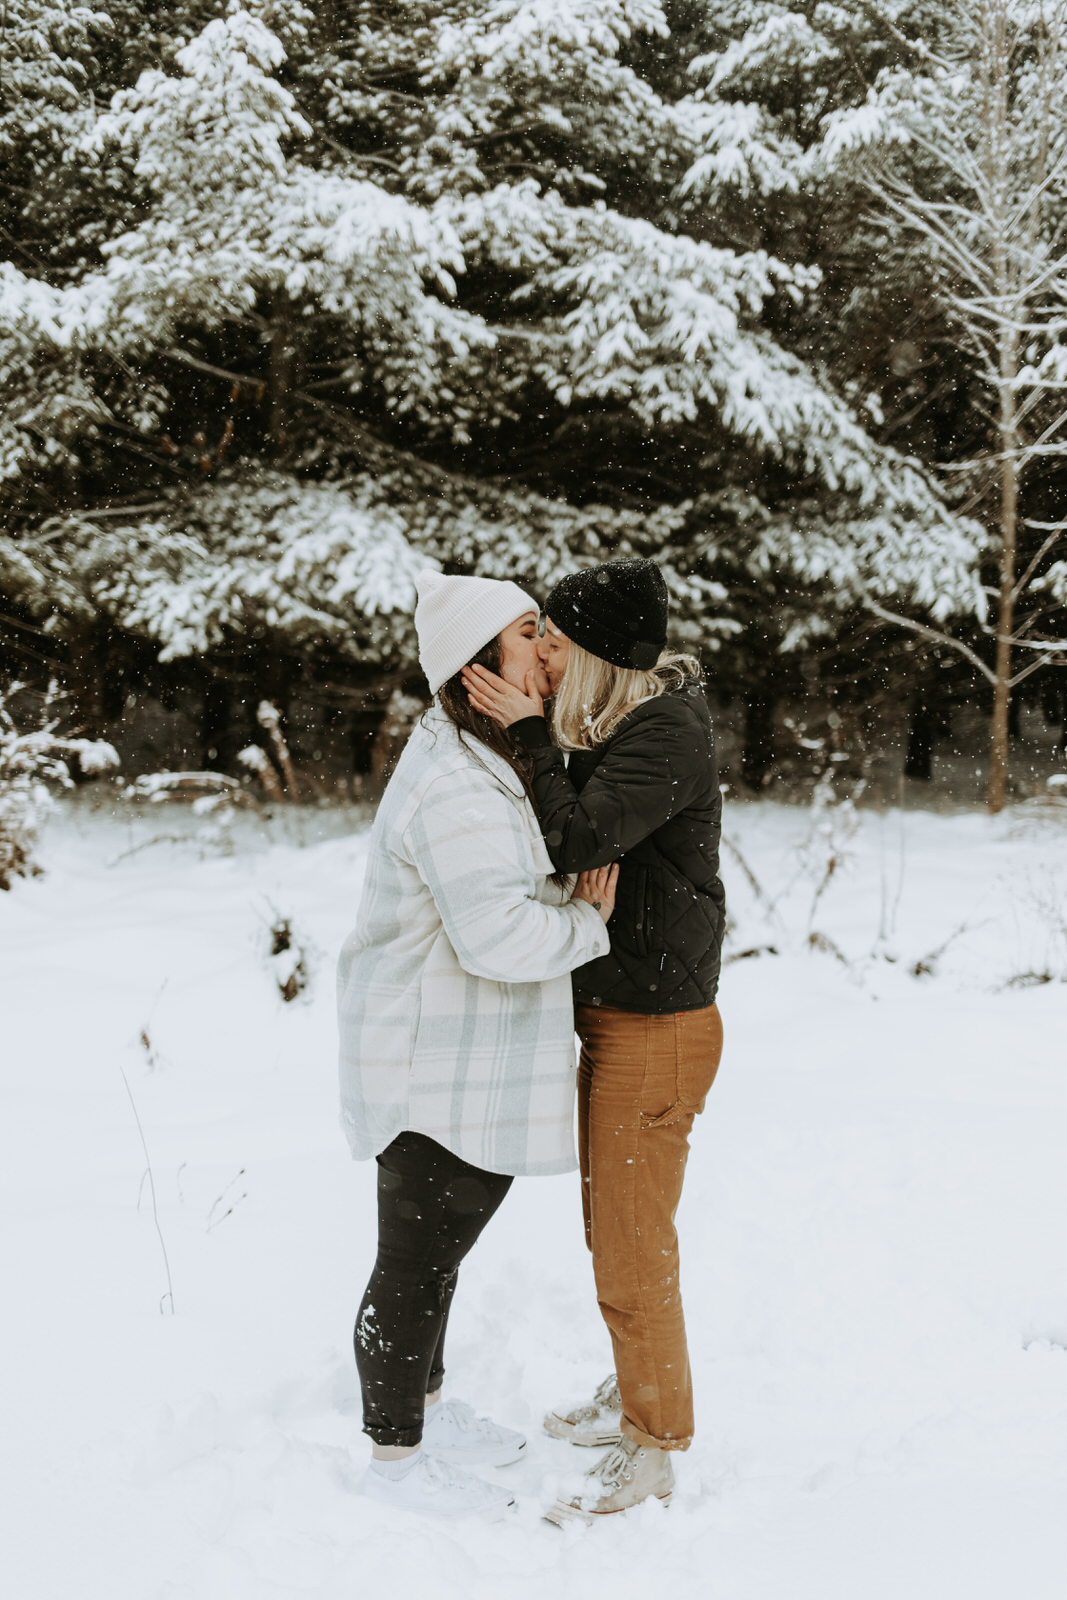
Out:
{"x": 453, "y": 1432}
{"x": 438, "y": 1487}
{"x": 597, "y": 1423}
{"x": 628, "y": 1474}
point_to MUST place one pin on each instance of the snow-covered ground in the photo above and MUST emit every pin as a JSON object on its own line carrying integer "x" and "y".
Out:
{"x": 874, "y": 1241}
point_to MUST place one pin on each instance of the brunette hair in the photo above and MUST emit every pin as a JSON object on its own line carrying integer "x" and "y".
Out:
{"x": 455, "y": 701}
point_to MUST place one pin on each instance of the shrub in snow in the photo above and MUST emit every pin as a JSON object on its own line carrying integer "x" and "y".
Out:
{"x": 30, "y": 760}
{"x": 288, "y": 959}
{"x": 256, "y": 759}
{"x": 1049, "y": 805}
{"x": 211, "y": 795}
{"x": 827, "y": 849}
{"x": 213, "y": 788}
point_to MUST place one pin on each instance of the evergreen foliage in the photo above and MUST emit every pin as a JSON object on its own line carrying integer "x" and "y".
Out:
{"x": 297, "y": 300}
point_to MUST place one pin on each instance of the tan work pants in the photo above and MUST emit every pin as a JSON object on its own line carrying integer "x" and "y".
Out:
{"x": 641, "y": 1081}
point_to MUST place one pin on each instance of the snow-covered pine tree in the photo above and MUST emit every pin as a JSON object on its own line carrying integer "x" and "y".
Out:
{"x": 446, "y": 274}
{"x": 44, "y": 51}
{"x": 776, "y": 94}
{"x": 45, "y": 68}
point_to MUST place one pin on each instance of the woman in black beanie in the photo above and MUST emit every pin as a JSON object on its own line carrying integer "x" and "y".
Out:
{"x": 642, "y": 789}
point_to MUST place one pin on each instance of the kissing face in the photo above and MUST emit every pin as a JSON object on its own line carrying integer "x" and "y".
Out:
{"x": 553, "y": 650}
{"x": 519, "y": 654}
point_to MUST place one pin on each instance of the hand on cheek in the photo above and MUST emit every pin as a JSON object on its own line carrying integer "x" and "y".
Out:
{"x": 497, "y": 698}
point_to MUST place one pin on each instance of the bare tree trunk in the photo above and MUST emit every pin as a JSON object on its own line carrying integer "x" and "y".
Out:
{"x": 998, "y": 754}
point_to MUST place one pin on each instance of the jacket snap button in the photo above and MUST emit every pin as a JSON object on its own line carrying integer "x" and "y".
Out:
{"x": 653, "y": 986}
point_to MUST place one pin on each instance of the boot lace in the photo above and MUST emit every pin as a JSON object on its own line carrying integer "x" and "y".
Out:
{"x": 466, "y": 1420}
{"x": 608, "y": 1393}
{"x": 606, "y": 1398}
{"x": 614, "y": 1469}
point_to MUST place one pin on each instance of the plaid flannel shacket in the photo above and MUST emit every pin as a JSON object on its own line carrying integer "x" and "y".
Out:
{"x": 454, "y": 990}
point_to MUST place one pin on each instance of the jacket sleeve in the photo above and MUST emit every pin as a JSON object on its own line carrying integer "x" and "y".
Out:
{"x": 468, "y": 845}
{"x": 652, "y": 767}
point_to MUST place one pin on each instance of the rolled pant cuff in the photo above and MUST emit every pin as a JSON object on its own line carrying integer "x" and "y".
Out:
{"x": 398, "y": 1438}
{"x": 638, "y": 1435}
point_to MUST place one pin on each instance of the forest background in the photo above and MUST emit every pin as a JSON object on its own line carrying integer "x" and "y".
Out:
{"x": 296, "y": 301}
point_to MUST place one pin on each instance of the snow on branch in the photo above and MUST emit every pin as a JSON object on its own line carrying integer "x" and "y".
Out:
{"x": 31, "y": 759}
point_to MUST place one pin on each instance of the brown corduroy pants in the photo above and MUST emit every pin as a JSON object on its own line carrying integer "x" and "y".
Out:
{"x": 641, "y": 1081}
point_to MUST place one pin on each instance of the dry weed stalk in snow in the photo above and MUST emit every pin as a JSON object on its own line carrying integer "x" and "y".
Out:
{"x": 1041, "y": 917}
{"x": 149, "y": 1175}
{"x": 834, "y": 823}
{"x": 772, "y": 916}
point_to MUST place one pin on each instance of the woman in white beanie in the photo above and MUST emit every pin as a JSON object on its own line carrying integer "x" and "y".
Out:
{"x": 456, "y": 1022}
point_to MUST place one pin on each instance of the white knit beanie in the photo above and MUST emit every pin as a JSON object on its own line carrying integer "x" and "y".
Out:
{"x": 455, "y": 617}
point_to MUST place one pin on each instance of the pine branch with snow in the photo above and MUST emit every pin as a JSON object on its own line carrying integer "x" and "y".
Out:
{"x": 33, "y": 761}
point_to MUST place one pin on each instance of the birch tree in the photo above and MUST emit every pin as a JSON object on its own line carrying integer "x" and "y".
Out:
{"x": 974, "y": 166}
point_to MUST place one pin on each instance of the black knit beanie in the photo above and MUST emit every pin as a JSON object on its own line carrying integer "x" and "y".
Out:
{"x": 617, "y": 611}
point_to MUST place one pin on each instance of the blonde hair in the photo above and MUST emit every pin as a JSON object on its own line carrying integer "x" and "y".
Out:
{"x": 594, "y": 696}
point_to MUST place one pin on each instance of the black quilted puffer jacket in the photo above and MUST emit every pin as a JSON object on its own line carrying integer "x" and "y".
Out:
{"x": 648, "y": 797}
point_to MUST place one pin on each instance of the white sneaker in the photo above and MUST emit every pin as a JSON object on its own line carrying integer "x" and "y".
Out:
{"x": 436, "y": 1486}
{"x": 453, "y": 1432}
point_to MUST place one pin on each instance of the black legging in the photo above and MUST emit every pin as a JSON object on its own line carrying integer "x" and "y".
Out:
{"x": 431, "y": 1208}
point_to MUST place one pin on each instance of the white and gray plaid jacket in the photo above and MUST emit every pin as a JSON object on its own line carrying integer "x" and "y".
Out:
{"x": 454, "y": 991}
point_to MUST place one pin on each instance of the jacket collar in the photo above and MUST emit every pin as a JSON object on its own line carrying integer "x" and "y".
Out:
{"x": 437, "y": 721}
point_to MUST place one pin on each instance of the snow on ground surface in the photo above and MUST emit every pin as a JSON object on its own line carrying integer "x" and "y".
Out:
{"x": 872, "y": 1230}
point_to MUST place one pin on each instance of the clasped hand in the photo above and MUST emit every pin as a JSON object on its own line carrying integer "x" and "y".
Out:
{"x": 598, "y": 888}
